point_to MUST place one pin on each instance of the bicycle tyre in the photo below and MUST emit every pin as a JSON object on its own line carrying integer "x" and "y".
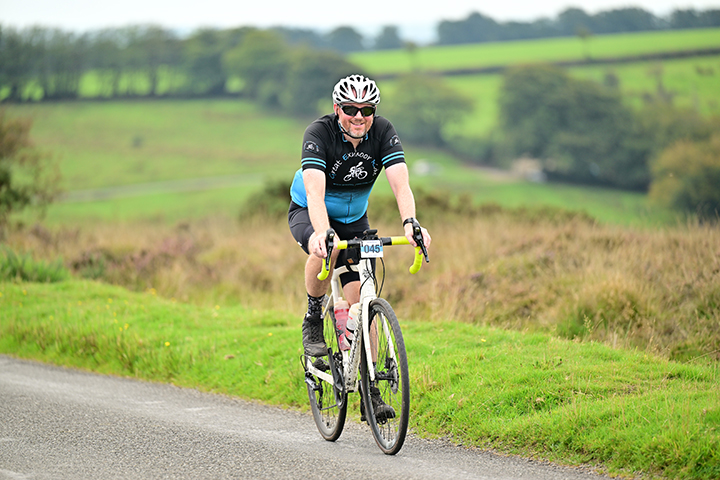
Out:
{"x": 392, "y": 379}
{"x": 328, "y": 403}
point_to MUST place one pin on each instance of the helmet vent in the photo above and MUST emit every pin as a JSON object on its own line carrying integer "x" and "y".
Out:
{"x": 356, "y": 89}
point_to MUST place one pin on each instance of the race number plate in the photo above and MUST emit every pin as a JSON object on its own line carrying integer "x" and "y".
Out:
{"x": 371, "y": 249}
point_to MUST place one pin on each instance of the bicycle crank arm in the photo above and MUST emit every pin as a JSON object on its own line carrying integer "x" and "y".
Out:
{"x": 313, "y": 370}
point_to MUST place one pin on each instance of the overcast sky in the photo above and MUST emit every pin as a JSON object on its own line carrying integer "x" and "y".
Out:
{"x": 416, "y": 22}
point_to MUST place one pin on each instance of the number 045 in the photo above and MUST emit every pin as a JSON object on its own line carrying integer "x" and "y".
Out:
{"x": 371, "y": 249}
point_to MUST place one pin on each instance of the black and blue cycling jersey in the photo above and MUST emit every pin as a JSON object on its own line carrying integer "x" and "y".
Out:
{"x": 349, "y": 172}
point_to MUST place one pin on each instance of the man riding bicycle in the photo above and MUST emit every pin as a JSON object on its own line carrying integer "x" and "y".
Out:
{"x": 342, "y": 156}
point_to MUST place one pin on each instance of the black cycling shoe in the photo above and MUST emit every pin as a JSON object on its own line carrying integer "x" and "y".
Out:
{"x": 382, "y": 410}
{"x": 313, "y": 339}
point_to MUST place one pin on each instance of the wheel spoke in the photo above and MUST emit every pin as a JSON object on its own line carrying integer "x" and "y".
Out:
{"x": 327, "y": 403}
{"x": 388, "y": 417}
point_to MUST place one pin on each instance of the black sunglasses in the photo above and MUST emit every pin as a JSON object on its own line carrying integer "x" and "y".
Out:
{"x": 351, "y": 111}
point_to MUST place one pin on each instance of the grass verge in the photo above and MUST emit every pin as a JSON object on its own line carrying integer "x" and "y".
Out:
{"x": 625, "y": 412}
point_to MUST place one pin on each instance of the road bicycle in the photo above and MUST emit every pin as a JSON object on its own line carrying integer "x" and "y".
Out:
{"x": 377, "y": 351}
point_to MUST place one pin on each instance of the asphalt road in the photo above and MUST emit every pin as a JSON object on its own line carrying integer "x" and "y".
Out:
{"x": 58, "y": 423}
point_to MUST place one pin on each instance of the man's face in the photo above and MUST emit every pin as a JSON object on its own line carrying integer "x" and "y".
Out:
{"x": 358, "y": 124}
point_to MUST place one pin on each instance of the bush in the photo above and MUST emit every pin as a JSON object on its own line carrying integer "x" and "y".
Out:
{"x": 24, "y": 268}
{"x": 583, "y": 132}
{"x": 261, "y": 59}
{"x": 434, "y": 207}
{"x": 27, "y": 177}
{"x": 687, "y": 177}
{"x": 579, "y": 129}
{"x": 280, "y": 75}
{"x": 271, "y": 202}
{"x": 423, "y": 106}
{"x": 311, "y": 78}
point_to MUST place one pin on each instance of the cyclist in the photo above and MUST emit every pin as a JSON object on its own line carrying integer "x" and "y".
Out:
{"x": 342, "y": 156}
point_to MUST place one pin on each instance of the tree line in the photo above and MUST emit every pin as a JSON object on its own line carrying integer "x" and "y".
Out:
{"x": 151, "y": 61}
{"x": 580, "y": 131}
{"x": 577, "y": 131}
{"x": 478, "y": 28}
{"x": 47, "y": 63}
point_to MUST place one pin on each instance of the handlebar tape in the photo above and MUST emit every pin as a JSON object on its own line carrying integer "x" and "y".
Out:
{"x": 343, "y": 244}
{"x": 323, "y": 273}
{"x": 415, "y": 267}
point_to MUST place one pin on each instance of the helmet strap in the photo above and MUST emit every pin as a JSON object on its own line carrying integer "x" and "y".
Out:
{"x": 350, "y": 134}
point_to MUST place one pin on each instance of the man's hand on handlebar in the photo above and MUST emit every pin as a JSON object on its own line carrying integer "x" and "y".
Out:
{"x": 417, "y": 235}
{"x": 318, "y": 244}
{"x": 411, "y": 232}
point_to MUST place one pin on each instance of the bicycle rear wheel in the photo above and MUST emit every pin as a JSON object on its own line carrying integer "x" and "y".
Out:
{"x": 391, "y": 385}
{"x": 327, "y": 401}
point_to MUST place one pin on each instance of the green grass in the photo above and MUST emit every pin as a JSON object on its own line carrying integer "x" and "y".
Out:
{"x": 489, "y": 186}
{"x": 693, "y": 83}
{"x": 102, "y": 144}
{"x": 607, "y": 206}
{"x": 94, "y": 143}
{"x": 531, "y": 394}
{"x": 23, "y": 267}
{"x": 164, "y": 207}
{"x": 441, "y": 58}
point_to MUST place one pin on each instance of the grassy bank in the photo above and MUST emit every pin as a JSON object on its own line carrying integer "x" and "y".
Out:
{"x": 531, "y": 394}
{"x": 542, "y": 270}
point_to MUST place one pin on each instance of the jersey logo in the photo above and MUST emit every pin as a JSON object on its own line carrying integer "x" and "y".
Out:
{"x": 311, "y": 147}
{"x": 395, "y": 140}
{"x": 356, "y": 172}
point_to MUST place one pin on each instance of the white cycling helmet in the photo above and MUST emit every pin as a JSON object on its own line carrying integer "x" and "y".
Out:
{"x": 356, "y": 89}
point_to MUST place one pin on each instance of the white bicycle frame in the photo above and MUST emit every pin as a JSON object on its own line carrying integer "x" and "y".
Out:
{"x": 351, "y": 358}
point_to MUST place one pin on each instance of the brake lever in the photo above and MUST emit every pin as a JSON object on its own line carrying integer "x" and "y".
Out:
{"x": 417, "y": 236}
{"x": 329, "y": 244}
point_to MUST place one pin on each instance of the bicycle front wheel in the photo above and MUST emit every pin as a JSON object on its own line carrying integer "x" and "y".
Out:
{"x": 328, "y": 400}
{"x": 387, "y": 398}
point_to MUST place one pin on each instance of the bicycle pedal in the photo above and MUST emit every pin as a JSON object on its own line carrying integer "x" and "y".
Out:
{"x": 311, "y": 381}
{"x": 321, "y": 365}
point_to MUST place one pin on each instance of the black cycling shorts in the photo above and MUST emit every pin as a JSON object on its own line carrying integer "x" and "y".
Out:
{"x": 301, "y": 229}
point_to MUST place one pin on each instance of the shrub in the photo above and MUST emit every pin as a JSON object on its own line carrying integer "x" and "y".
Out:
{"x": 271, "y": 202}
{"x": 579, "y": 129}
{"x": 422, "y": 108}
{"x": 23, "y": 267}
{"x": 686, "y": 176}
{"x": 26, "y": 176}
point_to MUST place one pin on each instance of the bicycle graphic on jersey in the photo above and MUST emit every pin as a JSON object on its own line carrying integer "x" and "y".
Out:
{"x": 356, "y": 172}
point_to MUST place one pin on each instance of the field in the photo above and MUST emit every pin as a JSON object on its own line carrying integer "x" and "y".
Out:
{"x": 570, "y": 324}
{"x": 465, "y": 57}
{"x": 691, "y": 82}
{"x": 121, "y": 143}
{"x": 157, "y": 160}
